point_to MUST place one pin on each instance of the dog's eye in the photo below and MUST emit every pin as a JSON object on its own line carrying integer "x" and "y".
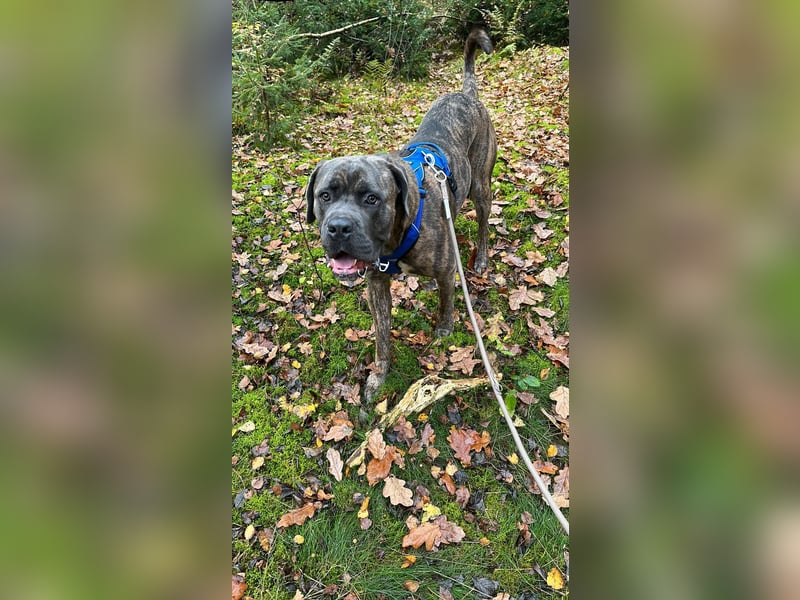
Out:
{"x": 371, "y": 199}
{"x": 325, "y": 197}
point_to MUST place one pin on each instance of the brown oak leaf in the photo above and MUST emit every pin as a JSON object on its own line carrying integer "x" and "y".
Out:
{"x": 448, "y": 482}
{"x": 424, "y": 534}
{"x": 341, "y": 428}
{"x": 560, "y": 356}
{"x": 378, "y": 469}
{"x": 462, "y": 496}
{"x": 375, "y": 444}
{"x": 545, "y": 467}
{"x": 462, "y": 441}
{"x": 405, "y": 431}
{"x": 265, "y": 538}
{"x": 548, "y": 276}
{"x": 480, "y": 441}
{"x": 461, "y": 360}
{"x": 335, "y": 463}
{"x": 297, "y": 516}
{"x": 541, "y": 231}
{"x": 561, "y": 398}
{"x": 256, "y": 346}
{"x": 428, "y": 435}
{"x": 561, "y": 488}
{"x": 449, "y": 532}
{"x": 238, "y": 587}
{"x": 396, "y": 491}
{"x": 523, "y": 295}
{"x": 434, "y": 533}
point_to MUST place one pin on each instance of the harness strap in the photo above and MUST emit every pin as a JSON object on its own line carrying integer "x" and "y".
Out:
{"x": 417, "y": 156}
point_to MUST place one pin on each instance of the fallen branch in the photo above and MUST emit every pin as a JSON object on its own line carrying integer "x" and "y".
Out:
{"x": 420, "y": 395}
{"x": 332, "y": 31}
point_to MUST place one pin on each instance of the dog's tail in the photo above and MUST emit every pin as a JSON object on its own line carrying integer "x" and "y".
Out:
{"x": 477, "y": 37}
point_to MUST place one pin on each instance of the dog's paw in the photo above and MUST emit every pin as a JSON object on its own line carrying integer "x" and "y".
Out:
{"x": 444, "y": 331}
{"x": 481, "y": 263}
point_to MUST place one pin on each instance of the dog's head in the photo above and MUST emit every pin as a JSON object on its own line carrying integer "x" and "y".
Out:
{"x": 362, "y": 205}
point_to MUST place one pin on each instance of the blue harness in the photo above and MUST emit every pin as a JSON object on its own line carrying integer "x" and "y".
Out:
{"x": 417, "y": 156}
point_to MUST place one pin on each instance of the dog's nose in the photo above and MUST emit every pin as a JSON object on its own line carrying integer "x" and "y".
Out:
{"x": 340, "y": 228}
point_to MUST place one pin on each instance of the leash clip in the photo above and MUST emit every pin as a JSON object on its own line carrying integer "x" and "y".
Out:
{"x": 438, "y": 173}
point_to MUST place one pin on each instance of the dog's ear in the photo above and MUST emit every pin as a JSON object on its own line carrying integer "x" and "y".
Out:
{"x": 310, "y": 218}
{"x": 401, "y": 180}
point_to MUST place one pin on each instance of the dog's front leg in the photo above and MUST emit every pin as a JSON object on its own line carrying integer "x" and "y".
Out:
{"x": 380, "y": 305}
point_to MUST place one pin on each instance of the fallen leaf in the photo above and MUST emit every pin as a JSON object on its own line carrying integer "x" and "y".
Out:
{"x": 405, "y": 431}
{"x": 561, "y": 488}
{"x": 461, "y": 360}
{"x": 541, "y": 231}
{"x": 339, "y": 432}
{"x": 481, "y": 441}
{"x": 551, "y": 451}
{"x": 433, "y": 533}
{"x": 523, "y": 295}
{"x": 299, "y": 539}
{"x": 485, "y": 586}
{"x": 243, "y": 383}
{"x": 428, "y": 435}
{"x": 335, "y": 463}
{"x": 363, "y": 512}
{"x": 554, "y": 579}
{"x": 256, "y": 346}
{"x": 375, "y": 444}
{"x": 545, "y": 467}
{"x": 408, "y": 560}
{"x": 378, "y": 469}
{"x": 548, "y": 276}
{"x": 411, "y": 586}
{"x": 257, "y": 463}
{"x": 301, "y": 411}
{"x": 297, "y": 516}
{"x": 561, "y": 398}
{"x": 395, "y": 490}
{"x": 249, "y": 532}
{"x": 247, "y": 427}
{"x": 238, "y": 587}
{"x": 465, "y": 439}
{"x": 427, "y": 533}
{"x": 448, "y": 482}
{"x": 445, "y": 594}
{"x": 265, "y": 538}
{"x": 430, "y": 511}
{"x": 450, "y": 533}
{"x": 462, "y": 496}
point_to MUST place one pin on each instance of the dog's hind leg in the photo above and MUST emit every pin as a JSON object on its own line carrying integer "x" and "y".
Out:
{"x": 481, "y": 195}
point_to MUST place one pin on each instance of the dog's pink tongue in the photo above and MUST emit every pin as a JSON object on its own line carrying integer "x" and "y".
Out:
{"x": 344, "y": 264}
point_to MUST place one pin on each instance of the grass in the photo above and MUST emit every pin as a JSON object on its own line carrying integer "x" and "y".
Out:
{"x": 281, "y": 291}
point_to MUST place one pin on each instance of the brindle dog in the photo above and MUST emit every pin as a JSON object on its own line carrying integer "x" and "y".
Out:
{"x": 365, "y": 205}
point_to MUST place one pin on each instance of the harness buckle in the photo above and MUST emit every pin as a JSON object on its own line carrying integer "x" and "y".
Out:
{"x": 382, "y": 266}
